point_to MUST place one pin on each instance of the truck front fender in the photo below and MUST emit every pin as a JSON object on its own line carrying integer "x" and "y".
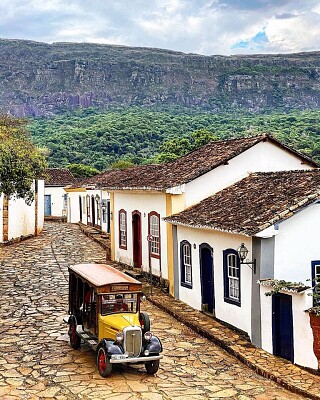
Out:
{"x": 154, "y": 346}
{"x": 111, "y": 347}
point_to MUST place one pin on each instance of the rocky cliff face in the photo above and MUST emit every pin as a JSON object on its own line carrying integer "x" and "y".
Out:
{"x": 42, "y": 79}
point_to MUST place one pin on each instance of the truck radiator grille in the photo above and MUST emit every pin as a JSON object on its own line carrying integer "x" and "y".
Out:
{"x": 132, "y": 340}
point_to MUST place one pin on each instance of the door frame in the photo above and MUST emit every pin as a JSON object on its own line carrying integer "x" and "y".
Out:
{"x": 204, "y": 289}
{"x": 278, "y": 324}
{"x": 47, "y": 196}
{"x": 136, "y": 239}
{"x": 93, "y": 211}
{"x": 80, "y": 207}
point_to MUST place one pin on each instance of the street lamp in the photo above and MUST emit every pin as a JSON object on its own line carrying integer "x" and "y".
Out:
{"x": 243, "y": 252}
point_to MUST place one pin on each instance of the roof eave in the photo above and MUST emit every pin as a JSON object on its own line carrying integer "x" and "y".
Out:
{"x": 207, "y": 227}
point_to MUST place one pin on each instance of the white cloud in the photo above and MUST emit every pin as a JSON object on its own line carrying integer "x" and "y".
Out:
{"x": 205, "y": 26}
{"x": 294, "y": 34}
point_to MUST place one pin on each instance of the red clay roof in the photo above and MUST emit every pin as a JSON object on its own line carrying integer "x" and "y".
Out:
{"x": 58, "y": 177}
{"x": 185, "y": 169}
{"x": 254, "y": 203}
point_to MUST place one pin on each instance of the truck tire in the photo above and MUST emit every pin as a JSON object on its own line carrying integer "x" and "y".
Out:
{"x": 144, "y": 322}
{"x": 103, "y": 362}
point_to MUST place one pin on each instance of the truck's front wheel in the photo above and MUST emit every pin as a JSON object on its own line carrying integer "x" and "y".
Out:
{"x": 103, "y": 362}
{"x": 152, "y": 366}
{"x": 144, "y": 322}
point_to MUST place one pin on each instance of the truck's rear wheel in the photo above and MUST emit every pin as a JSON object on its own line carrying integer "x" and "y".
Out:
{"x": 103, "y": 362}
{"x": 75, "y": 340}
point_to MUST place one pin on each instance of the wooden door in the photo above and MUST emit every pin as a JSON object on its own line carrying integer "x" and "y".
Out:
{"x": 282, "y": 326}
{"x": 136, "y": 239}
{"x": 47, "y": 204}
{"x": 207, "y": 277}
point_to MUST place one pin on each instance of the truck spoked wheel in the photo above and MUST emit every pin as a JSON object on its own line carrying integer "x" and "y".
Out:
{"x": 75, "y": 340}
{"x": 103, "y": 362}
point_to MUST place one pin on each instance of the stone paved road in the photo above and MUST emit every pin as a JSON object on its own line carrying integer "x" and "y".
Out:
{"x": 36, "y": 361}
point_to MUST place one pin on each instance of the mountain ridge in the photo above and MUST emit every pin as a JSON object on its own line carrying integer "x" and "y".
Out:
{"x": 41, "y": 79}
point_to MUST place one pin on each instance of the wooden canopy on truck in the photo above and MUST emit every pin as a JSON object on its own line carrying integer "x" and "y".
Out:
{"x": 105, "y": 279}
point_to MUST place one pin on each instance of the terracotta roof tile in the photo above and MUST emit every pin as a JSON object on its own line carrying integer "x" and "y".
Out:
{"x": 254, "y": 203}
{"x": 185, "y": 169}
{"x": 58, "y": 177}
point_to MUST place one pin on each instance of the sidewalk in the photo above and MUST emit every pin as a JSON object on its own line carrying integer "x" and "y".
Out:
{"x": 290, "y": 376}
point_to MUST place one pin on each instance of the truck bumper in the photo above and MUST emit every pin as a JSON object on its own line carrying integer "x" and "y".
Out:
{"x": 134, "y": 359}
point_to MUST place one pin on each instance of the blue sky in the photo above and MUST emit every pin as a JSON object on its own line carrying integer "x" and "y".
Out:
{"x": 192, "y": 26}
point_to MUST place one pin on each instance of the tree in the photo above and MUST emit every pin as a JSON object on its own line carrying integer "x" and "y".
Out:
{"x": 20, "y": 161}
{"x": 82, "y": 171}
{"x": 122, "y": 164}
{"x": 200, "y": 137}
{"x": 173, "y": 149}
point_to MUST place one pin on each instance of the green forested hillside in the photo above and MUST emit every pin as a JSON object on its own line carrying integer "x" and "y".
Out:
{"x": 98, "y": 139}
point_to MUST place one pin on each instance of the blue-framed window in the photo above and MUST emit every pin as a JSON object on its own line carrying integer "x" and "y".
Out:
{"x": 186, "y": 264}
{"x": 315, "y": 273}
{"x": 231, "y": 277}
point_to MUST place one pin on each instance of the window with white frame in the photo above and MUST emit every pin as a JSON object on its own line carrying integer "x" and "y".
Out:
{"x": 186, "y": 264}
{"x": 231, "y": 268}
{"x": 154, "y": 232}
{"x": 123, "y": 229}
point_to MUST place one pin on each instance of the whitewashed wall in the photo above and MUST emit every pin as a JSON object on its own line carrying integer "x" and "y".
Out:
{"x": 145, "y": 203}
{"x": 40, "y": 205}
{"x": 73, "y": 207}
{"x": 302, "y": 331}
{"x": 57, "y": 200}
{"x": 240, "y": 317}
{"x": 262, "y": 157}
{"x": 22, "y": 216}
{"x": 21, "y": 219}
{"x": 297, "y": 244}
{"x": 73, "y": 211}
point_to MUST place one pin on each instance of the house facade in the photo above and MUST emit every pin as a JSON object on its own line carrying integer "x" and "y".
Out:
{"x": 140, "y": 197}
{"x": 20, "y": 220}
{"x": 55, "y": 197}
{"x": 88, "y": 205}
{"x": 275, "y": 215}
{"x": 186, "y": 220}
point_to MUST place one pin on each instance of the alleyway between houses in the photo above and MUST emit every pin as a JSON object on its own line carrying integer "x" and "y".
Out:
{"x": 37, "y": 362}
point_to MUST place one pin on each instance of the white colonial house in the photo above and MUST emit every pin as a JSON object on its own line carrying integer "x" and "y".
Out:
{"x": 140, "y": 197}
{"x": 55, "y": 197}
{"x": 88, "y": 205}
{"x": 20, "y": 220}
{"x": 266, "y": 292}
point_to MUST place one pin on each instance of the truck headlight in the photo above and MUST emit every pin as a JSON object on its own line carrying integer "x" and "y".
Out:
{"x": 119, "y": 337}
{"x": 148, "y": 336}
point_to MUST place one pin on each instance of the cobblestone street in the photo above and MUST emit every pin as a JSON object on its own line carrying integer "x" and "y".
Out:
{"x": 37, "y": 362}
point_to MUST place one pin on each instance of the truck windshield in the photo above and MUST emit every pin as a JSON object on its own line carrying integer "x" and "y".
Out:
{"x": 119, "y": 303}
